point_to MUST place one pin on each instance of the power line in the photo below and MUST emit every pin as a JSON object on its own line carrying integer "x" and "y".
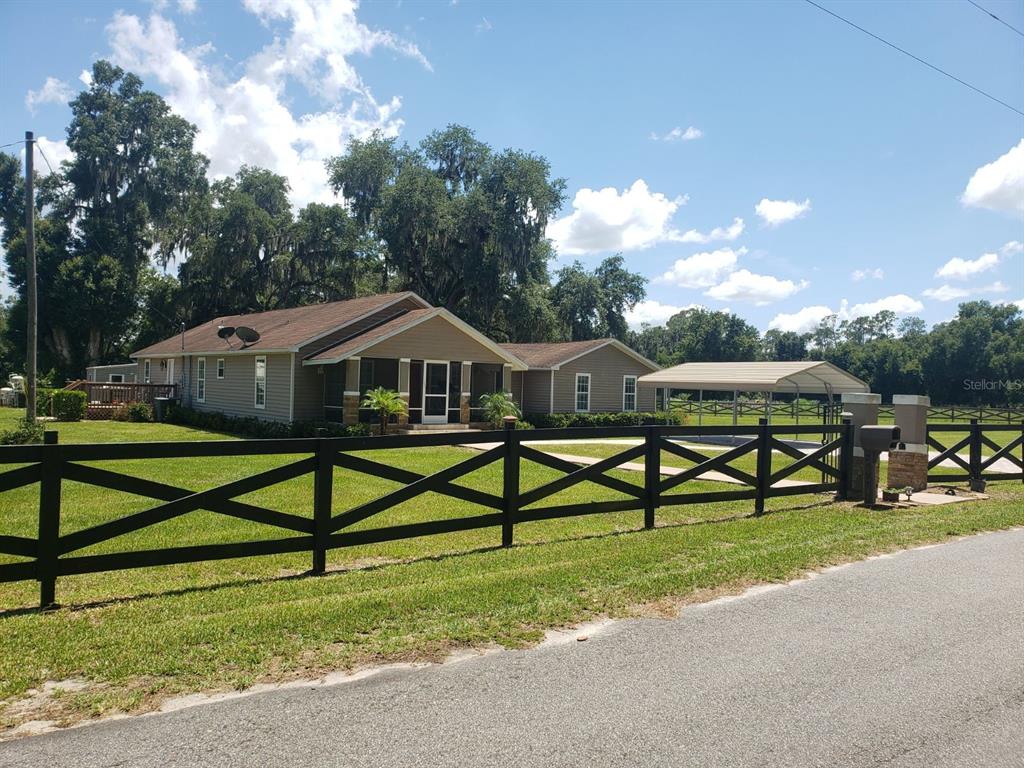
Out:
{"x": 987, "y": 12}
{"x": 45, "y": 158}
{"x": 2, "y": 146}
{"x": 916, "y": 58}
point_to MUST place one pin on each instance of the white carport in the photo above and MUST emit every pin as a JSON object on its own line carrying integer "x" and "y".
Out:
{"x": 803, "y": 377}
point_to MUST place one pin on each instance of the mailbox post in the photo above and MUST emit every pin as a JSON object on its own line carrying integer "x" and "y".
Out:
{"x": 875, "y": 438}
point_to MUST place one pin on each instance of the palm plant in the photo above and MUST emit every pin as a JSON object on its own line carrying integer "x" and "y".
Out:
{"x": 497, "y": 405}
{"x": 386, "y": 402}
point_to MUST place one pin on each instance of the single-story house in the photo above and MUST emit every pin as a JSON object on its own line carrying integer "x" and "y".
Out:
{"x": 581, "y": 376}
{"x": 316, "y": 363}
{"x": 119, "y": 373}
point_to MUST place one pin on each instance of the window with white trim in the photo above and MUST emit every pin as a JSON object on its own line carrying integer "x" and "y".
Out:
{"x": 220, "y": 367}
{"x": 201, "y": 380}
{"x": 629, "y": 393}
{"x": 260, "y": 400}
{"x": 147, "y": 370}
{"x": 582, "y": 391}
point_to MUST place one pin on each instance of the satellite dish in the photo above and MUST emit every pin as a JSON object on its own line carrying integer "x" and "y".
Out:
{"x": 247, "y": 335}
{"x": 225, "y": 331}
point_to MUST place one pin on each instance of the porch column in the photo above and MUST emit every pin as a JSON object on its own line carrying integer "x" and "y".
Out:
{"x": 908, "y": 464}
{"x": 863, "y": 409}
{"x": 466, "y": 385}
{"x": 350, "y": 399}
{"x": 403, "y": 387}
{"x": 506, "y": 377}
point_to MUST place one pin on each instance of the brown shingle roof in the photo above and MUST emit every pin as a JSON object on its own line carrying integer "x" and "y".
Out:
{"x": 374, "y": 334}
{"x": 279, "y": 329}
{"x": 548, "y": 354}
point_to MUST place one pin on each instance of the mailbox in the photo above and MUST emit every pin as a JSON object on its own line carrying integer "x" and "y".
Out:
{"x": 879, "y": 437}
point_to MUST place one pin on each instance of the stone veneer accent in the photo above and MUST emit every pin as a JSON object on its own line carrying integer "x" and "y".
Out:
{"x": 350, "y": 409}
{"x": 464, "y": 409}
{"x": 403, "y": 418}
{"x": 908, "y": 468}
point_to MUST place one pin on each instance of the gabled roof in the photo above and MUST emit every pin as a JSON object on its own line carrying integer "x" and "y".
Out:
{"x": 281, "y": 330}
{"x": 404, "y": 322}
{"x": 810, "y": 376}
{"x": 553, "y": 355}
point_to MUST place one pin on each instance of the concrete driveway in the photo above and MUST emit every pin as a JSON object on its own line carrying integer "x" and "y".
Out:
{"x": 915, "y": 659}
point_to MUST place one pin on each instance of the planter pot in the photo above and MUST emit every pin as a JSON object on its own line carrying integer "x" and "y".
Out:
{"x": 890, "y": 495}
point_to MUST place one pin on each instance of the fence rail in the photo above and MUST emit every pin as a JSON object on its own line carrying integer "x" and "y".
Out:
{"x": 975, "y": 467}
{"x": 53, "y": 554}
{"x": 823, "y": 410}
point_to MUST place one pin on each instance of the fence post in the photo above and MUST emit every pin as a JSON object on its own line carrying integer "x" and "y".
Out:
{"x": 975, "y": 456}
{"x": 652, "y": 475}
{"x": 510, "y": 486}
{"x": 49, "y": 521}
{"x": 845, "y": 460}
{"x": 764, "y": 465}
{"x": 323, "y": 492}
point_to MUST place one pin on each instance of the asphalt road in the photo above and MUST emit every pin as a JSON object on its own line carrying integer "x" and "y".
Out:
{"x": 916, "y": 659}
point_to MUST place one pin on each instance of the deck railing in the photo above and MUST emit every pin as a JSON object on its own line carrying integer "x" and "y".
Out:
{"x": 115, "y": 393}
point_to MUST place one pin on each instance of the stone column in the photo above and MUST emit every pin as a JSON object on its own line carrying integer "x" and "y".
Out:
{"x": 465, "y": 384}
{"x": 863, "y": 409}
{"x": 403, "y": 388}
{"x": 908, "y": 465}
{"x": 350, "y": 398}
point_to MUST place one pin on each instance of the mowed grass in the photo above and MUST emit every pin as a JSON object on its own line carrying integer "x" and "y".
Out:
{"x": 136, "y": 637}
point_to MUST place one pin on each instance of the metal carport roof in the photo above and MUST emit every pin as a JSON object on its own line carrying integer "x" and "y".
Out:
{"x": 804, "y": 377}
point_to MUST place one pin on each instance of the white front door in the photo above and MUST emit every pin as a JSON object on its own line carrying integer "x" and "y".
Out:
{"x": 435, "y": 392}
{"x": 170, "y": 371}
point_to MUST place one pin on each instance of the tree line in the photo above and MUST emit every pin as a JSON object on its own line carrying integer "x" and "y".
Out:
{"x": 133, "y": 240}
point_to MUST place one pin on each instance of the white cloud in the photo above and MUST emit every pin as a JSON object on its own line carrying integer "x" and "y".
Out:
{"x": 1019, "y": 304}
{"x": 776, "y": 212}
{"x": 900, "y": 303}
{"x": 1012, "y": 247}
{"x": 188, "y": 7}
{"x": 999, "y": 186}
{"x": 702, "y": 270}
{"x": 607, "y": 220}
{"x": 249, "y": 120}
{"x": 801, "y": 321}
{"x": 863, "y": 274}
{"x": 961, "y": 269}
{"x": 950, "y": 293}
{"x": 744, "y": 285}
{"x": 729, "y": 233}
{"x": 652, "y": 312}
{"x": 678, "y": 134}
{"x": 53, "y": 91}
{"x": 85, "y": 76}
{"x": 55, "y": 151}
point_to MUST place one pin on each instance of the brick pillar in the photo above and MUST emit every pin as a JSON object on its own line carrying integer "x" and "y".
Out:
{"x": 908, "y": 465}
{"x": 863, "y": 409}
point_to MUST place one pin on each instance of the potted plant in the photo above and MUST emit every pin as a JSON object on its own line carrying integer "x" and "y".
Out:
{"x": 386, "y": 402}
{"x": 891, "y": 494}
{"x": 497, "y": 405}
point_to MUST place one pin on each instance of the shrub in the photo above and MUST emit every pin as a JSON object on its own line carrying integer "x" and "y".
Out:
{"x": 610, "y": 419}
{"x": 497, "y": 405}
{"x": 44, "y": 401}
{"x": 137, "y": 412}
{"x": 249, "y": 426}
{"x": 386, "y": 402}
{"x": 25, "y": 433}
{"x": 68, "y": 404}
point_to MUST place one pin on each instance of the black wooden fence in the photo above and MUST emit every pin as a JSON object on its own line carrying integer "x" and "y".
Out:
{"x": 53, "y": 554}
{"x": 951, "y": 440}
{"x": 823, "y": 410}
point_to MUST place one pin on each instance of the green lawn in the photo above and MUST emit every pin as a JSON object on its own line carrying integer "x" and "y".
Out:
{"x": 139, "y": 636}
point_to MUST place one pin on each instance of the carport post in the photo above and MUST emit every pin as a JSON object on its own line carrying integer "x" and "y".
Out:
{"x": 700, "y": 407}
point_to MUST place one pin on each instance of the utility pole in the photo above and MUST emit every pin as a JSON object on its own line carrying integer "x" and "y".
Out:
{"x": 30, "y": 252}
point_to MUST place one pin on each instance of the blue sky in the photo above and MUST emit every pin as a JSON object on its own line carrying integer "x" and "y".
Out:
{"x": 862, "y": 179}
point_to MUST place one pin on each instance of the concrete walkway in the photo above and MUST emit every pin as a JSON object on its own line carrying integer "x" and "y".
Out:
{"x": 912, "y": 660}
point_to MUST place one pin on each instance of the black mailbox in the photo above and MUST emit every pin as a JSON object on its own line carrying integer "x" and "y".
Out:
{"x": 879, "y": 437}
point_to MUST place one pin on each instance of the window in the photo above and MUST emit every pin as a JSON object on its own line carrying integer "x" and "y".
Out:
{"x": 582, "y": 391}
{"x": 201, "y": 380}
{"x": 629, "y": 393}
{"x": 261, "y": 383}
{"x": 220, "y": 367}
{"x": 147, "y": 368}
{"x": 116, "y": 378}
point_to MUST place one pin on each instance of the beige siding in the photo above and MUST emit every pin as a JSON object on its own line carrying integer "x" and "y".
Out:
{"x": 532, "y": 390}
{"x": 235, "y": 393}
{"x": 433, "y": 339}
{"x": 309, "y": 392}
{"x": 606, "y": 367}
{"x": 358, "y": 327}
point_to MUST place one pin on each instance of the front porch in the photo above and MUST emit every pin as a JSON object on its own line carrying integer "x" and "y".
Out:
{"x": 436, "y": 391}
